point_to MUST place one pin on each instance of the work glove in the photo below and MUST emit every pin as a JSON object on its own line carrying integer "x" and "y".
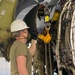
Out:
{"x": 34, "y": 34}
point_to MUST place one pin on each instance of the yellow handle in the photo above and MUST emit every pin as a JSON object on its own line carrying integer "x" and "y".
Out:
{"x": 46, "y": 38}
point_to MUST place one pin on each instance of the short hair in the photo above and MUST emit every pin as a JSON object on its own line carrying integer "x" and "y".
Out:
{"x": 16, "y": 34}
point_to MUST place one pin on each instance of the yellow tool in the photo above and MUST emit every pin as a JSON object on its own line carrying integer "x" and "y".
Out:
{"x": 46, "y": 38}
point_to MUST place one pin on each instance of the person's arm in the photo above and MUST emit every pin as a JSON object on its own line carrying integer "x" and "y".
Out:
{"x": 32, "y": 48}
{"x": 21, "y": 64}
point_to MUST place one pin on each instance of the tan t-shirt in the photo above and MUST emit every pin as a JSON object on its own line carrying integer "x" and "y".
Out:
{"x": 19, "y": 48}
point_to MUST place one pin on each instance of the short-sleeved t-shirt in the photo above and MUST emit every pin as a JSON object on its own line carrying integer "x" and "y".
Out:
{"x": 18, "y": 48}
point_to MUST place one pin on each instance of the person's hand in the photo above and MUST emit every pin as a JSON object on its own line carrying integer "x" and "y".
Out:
{"x": 34, "y": 34}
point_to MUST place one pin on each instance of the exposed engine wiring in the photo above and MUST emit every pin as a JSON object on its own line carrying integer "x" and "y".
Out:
{"x": 72, "y": 36}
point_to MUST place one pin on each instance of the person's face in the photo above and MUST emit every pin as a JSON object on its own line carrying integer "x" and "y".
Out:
{"x": 25, "y": 33}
